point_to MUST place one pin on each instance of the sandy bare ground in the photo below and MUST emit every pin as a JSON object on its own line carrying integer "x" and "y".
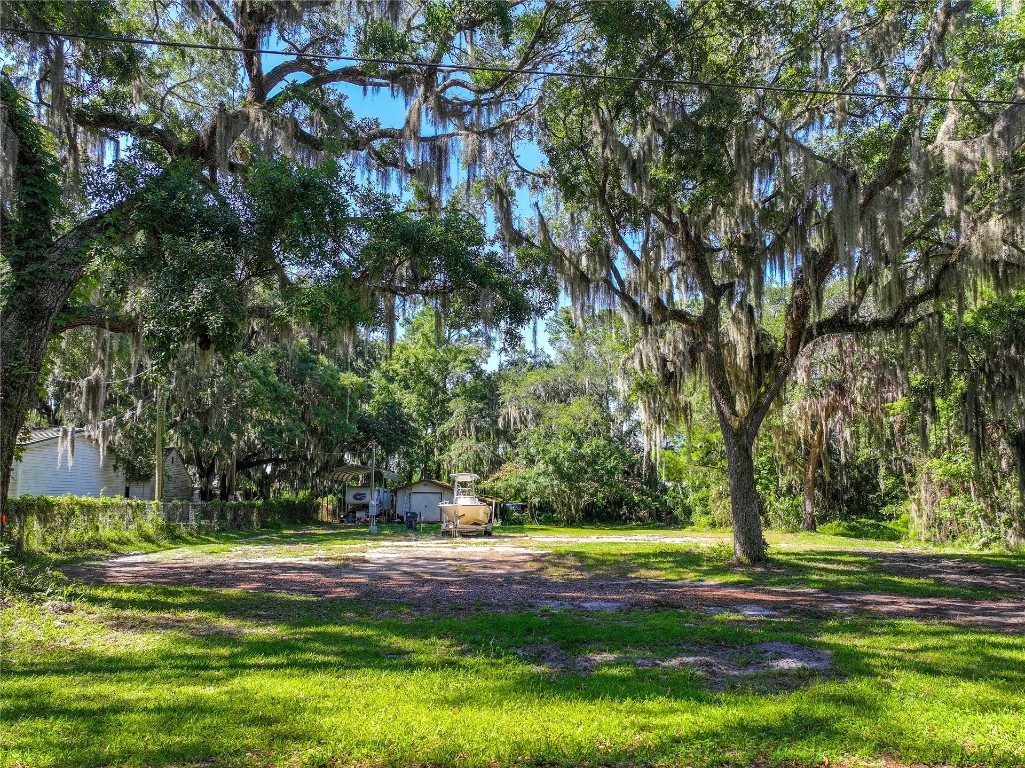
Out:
{"x": 511, "y": 575}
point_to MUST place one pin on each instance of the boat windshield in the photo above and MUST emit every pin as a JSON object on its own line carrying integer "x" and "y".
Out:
{"x": 464, "y": 489}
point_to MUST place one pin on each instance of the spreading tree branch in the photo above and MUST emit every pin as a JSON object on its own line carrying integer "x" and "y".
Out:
{"x": 94, "y": 317}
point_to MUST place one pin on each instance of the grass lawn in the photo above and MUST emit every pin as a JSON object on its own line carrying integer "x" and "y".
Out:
{"x": 815, "y": 568}
{"x": 161, "y": 675}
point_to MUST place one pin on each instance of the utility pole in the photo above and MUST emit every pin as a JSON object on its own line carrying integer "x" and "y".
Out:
{"x": 373, "y": 499}
{"x": 158, "y": 475}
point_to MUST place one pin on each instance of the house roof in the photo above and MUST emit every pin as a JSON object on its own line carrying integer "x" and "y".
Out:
{"x": 35, "y": 436}
{"x": 42, "y": 435}
{"x": 352, "y": 471}
{"x": 439, "y": 483}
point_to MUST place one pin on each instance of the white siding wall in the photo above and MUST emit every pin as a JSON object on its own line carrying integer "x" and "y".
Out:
{"x": 37, "y": 474}
{"x": 141, "y": 489}
{"x": 177, "y": 481}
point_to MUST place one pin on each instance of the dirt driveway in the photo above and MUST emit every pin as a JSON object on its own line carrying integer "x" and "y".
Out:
{"x": 510, "y": 574}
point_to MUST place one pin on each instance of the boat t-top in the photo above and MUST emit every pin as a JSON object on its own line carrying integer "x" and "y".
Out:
{"x": 466, "y": 513}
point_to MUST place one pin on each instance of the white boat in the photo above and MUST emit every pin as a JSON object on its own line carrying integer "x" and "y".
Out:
{"x": 466, "y": 512}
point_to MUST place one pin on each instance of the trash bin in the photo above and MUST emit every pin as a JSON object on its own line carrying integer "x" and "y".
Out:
{"x": 411, "y": 521}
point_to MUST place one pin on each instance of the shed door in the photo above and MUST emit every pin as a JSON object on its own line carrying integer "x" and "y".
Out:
{"x": 424, "y": 504}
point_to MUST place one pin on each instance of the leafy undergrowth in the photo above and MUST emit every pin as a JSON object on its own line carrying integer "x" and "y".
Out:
{"x": 865, "y": 529}
{"x": 30, "y": 582}
{"x": 174, "y": 676}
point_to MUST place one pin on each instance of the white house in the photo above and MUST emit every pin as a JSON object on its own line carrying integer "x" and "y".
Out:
{"x": 422, "y": 499}
{"x": 45, "y": 471}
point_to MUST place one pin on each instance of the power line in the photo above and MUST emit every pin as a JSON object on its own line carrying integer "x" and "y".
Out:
{"x": 443, "y": 67}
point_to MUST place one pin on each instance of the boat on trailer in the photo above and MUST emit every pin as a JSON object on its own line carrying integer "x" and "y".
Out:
{"x": 466, "y": 513}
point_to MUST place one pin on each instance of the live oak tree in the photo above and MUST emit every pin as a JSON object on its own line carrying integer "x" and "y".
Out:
{"x": 209, "y": 114}
{"x": 679, "y": 203}
{"x": 301, "y": 258}
{"x": 572, "y": 444}
{"x": 991, "y": 366}
{"x": 268, "y": 414}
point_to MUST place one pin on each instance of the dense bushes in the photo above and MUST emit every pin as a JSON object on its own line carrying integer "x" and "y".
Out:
{"x": 69, "y": 524}
{"x": 866, "y": 529}
{"x": 555, "y": 493}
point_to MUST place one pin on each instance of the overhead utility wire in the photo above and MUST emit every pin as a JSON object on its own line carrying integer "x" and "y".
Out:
{"x": 909, "y": 97}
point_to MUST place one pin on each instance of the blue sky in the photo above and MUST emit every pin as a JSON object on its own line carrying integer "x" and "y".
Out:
{"x": 391, "y": 111}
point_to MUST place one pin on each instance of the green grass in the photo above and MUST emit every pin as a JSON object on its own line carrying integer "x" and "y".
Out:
{"x": 1010, "y": 560}
{"x": 817, "y": 560}
{"x": 161, "y": 676}
{"x": 297, "y": 541}
{"x": 851, "y": 534}
{"x": 306, "y": 540}
{"x": 865, "y": 529}
{"x": 821, "y": 568}
{"x": 126, "y": 542}
{"x": 605, "y": 529}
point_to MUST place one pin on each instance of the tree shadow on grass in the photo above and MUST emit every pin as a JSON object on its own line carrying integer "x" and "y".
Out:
{"x": 290, "y": 674}
{"x": 909, "y": 574}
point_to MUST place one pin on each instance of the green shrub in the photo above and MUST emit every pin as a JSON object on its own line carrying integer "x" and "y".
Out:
{"x": 783, "y": 512}
{"x": 72, "y": 524}
{"x": 866, "y": 529}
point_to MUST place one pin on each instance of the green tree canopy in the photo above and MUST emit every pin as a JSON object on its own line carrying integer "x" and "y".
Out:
{"x": 680, "y": 203}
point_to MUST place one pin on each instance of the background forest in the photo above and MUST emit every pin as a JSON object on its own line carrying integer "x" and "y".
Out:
{"x": 558, "y": 425}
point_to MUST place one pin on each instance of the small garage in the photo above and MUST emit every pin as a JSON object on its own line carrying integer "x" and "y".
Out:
{"x": 422, "y": 499}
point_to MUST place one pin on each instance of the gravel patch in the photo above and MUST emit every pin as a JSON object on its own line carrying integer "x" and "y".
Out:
{"x": 458, "y": 576}
{"x": 715, "y": 664}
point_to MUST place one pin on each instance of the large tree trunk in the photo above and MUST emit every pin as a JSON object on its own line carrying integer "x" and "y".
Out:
{"x": 24, "y": 335}
{"x": 39, "y": 293}
{"x": 158, "y": 473}
{"x": 818, "y": 440}
{"x": 745, "y": 507}
{"x": 739, "y": 436}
